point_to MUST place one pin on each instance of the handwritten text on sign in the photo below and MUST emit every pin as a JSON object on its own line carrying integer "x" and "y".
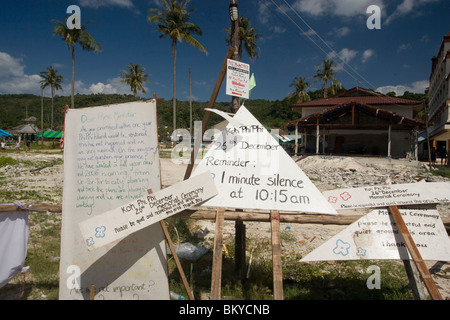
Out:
{"x": 145, "y": 211}
{"x": 376, "y": 236}
{"x": 389, "y": 195}
{"x": 237, "y": 79}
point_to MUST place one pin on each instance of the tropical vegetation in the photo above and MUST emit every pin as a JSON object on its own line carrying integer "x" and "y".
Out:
{"x": 135, "y": 76}
{"x": 51, "y": 78}
{"x": 174, "y": 21}
{"x": 325, "y": 73}
{"x": 71, "y": 37}
{"x": 300, "y": 93}
{"x": 247, "y": 39}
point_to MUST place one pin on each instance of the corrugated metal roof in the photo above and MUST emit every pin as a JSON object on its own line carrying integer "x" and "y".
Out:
{"x": 358, "y": 95}
{"x": 370, "y": 100}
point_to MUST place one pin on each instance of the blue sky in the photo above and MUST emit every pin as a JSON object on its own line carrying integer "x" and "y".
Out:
{"x": 297, "y": 36}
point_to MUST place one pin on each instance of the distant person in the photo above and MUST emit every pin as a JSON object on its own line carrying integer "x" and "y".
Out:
{"x": 443, "y": 155}
{"x": 28, "y": 145}
{"x": 433, "y": 156}
{"x": 17, "y": 147}
{"x": 448, "y": 159}
{"x": 3, "y": 146}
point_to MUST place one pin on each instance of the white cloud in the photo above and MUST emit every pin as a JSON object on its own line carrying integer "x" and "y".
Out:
{"x": 346, "y": 8}
{"x": 264, "y": 17}
{"x": 313, "y": 7}
{"x": 106, "y": 3}
{"x": 13, "y": 77}
{"x": 13, "y": 80}
{"x": 367, "y": 54}
{"x": 406, "y": 7}
{"x": 10, "y": 66}
{"x": 346, "y": 55}
{"x": 403, "y": 47}
{"x": 415, "y": 87}
{"x": 112, "y": 86}
{"x": 340, "y": 32}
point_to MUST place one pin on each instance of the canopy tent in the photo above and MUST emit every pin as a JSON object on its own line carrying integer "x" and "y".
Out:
{"x": 51, "y": 134}
{"x": 3, "y": 133}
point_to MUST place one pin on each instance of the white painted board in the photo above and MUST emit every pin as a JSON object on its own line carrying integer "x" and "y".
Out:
{"x": 238, "y": 77}
{"x": 388, "y": 195}
{"x": 143, "y": 212}
{"x": 111, "y": 158}
{"x": 252, "y": 171}
{"x": 375, "y": 236}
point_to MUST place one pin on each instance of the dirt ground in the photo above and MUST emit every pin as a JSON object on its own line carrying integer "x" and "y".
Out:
{"x": 325, "y": 172}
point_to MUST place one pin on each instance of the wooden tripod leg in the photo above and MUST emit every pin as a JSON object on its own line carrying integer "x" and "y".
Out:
{"x": 415, "y": 254}
{"x": 276, "y": 255}
{"x": 177, "y": 261}
{"x": 175, "y": 256}
{"x": 216, "y": 277}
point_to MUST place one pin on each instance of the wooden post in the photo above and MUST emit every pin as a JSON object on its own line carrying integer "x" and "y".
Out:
{"x": 317, "y": 137}
{"x": 175, "y": 256}
{"x": 415, "y": 254}
{"x": 276, "y": 255}
{"x": 92, "y": 293}
{"x": 216, "y": 277}
{"x": 239, "y": 247}
{"x": 207, "y": 114}
{"x": 389, "y": 141}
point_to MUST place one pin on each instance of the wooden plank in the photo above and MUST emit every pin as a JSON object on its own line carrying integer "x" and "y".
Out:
{"x": 216, "y": 277}
{"x": 232, "y": 215}
{"x": 276, "y": 255}
{"x": 415, "y": 254}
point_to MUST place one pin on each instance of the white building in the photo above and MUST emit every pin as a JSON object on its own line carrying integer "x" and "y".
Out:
{"x": 439, "y": 97}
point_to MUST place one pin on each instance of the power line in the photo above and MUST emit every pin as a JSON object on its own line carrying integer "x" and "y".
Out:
{"x": 387, "y": 98}
{"x": 298, "y": 15}
{"x": 320, "y": 38}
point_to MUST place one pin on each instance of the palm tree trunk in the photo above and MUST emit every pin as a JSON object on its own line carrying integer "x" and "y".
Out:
{"x": 53, "y": 92}
{"x": 72, "y": 98}
{"x": 42, "y": 116}
{"x": 174, "y": 99}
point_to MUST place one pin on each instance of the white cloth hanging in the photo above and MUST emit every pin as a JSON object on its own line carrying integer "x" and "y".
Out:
{"x": 13, "y": 244}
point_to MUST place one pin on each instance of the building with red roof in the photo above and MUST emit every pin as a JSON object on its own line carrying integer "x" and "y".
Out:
{"x": 359, "y": 121}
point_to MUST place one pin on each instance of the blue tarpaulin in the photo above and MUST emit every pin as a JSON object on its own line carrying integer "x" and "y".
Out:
{"x": 3, "y": 133}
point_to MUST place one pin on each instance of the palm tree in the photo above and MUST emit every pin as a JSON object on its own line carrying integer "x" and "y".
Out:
{"x": 173, "y": 21}
{"x": 247, "y": 39}
{"x": 300, "y": 93}
{"x": 51, "y": 78}
{"x": 135, "y": 77}
{"x": 72, "y": 37}
{"x": 326, "y": 74}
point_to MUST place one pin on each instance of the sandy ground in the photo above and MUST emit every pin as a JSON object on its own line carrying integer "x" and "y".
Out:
{"x": 326, "y": 172}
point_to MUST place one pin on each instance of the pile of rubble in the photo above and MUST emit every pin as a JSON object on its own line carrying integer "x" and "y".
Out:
{"x": 333, "y": 172}
{"x": 329, "y": 172}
